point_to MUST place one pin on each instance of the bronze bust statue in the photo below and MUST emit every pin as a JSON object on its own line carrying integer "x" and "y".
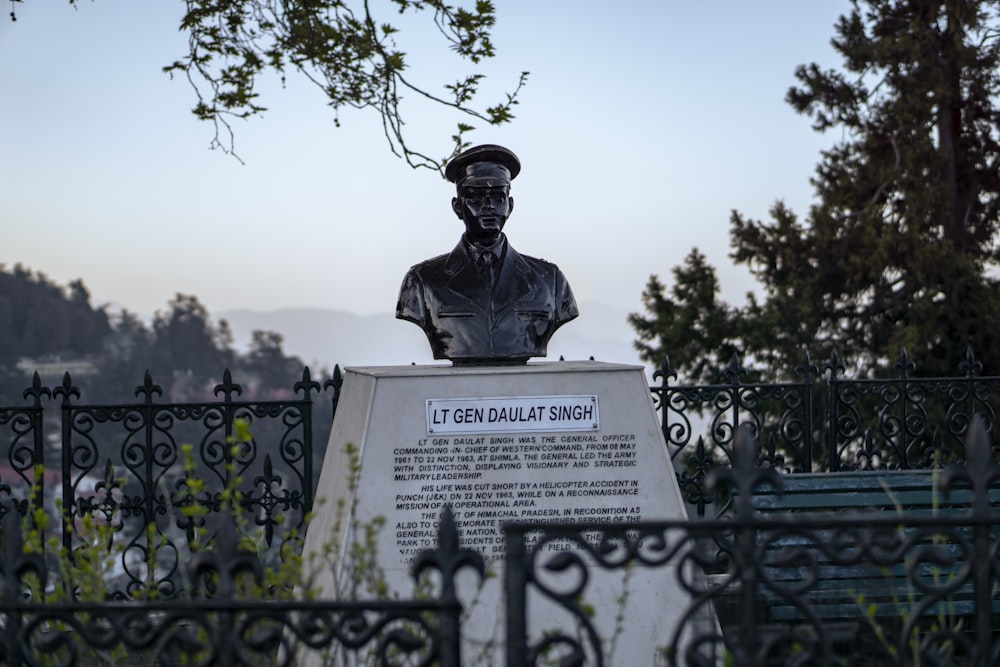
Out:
{"x": 484, "y": 302}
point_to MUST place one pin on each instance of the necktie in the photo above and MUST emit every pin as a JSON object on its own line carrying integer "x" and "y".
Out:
{"x": 487, "y": 268}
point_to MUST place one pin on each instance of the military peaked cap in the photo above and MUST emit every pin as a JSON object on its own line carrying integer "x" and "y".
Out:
{"x": 459, "y": 167}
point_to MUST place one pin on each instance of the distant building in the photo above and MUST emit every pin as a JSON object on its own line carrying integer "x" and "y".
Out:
{"x": 52, "y": 368}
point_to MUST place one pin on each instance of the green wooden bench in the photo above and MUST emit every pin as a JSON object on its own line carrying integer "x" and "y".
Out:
{"x": 818, "y": 568}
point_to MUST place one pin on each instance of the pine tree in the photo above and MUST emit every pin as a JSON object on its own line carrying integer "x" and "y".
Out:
{"x": 901, "y": 249}
{"x": 695, "y": 337}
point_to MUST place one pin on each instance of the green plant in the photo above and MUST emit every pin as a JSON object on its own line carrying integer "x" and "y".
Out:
{"x": 81, "y": 575}
{"x": 72, "y": 575}
{"x": 944, "y": 619}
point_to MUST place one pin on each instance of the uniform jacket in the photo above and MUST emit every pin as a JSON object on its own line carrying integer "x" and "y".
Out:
{"x": 466, "y": 321}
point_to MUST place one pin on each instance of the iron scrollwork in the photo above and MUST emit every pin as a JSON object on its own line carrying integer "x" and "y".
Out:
{"x": 130, "y": 467}
{"x": 216, "y": 621}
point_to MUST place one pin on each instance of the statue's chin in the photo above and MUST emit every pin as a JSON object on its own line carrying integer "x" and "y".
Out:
{"x": 487, "y": 238}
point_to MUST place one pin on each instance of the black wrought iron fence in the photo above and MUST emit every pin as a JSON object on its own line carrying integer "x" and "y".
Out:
{"x": 214, "y": 621}
{"x": 905, "y": 422}
{"x": 759, "y": 595}
{"x": 125, "y": 462}
{"x": 25, "y": 446}
{"x": 157, "y": 473}
{"x": 823, "y": 421}
{"x": 707, "y": 416}
{"x": 760, "y": 576}
{"x": 896, "y": 587}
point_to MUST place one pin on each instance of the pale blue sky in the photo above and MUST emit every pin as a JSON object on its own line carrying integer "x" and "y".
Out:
{"x": 643, "y": 124}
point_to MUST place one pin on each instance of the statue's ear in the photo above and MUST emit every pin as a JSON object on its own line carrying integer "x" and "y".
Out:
{"x": 510, "y": 206}
{"x": 456, "y": 206}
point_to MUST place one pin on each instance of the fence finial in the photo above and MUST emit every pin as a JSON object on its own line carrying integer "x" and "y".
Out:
{"x": 227, "y": 387}
{"x": 306, "y": 385}
{"x": 66, "y": 390}
{"x": 147, "y": 389}
{"x": 979, "y": 470}
{"x": 806, "y": 368}
{"x": 905, "y": 366}
{"x": 735, "y": 370}
{"x": 36, "y": 391}
{"x": 744, "y": 476}
{"x": 665, "y": 372}
{"x": 449, "y": 556}
{"x": 834, "y": 366}
{"x": 336, "y": 383}
{"x": 970, "y": 366}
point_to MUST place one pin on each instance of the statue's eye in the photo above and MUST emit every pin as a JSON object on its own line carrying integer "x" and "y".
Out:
{"x": 497, "y": 196}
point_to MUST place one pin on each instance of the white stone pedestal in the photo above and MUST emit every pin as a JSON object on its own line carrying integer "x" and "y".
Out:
{"x": 562, "y": 441}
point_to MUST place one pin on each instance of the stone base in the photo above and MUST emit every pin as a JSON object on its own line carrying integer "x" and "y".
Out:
{"x": 564, "y": 441}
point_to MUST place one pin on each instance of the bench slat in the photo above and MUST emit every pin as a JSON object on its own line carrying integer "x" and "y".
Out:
{"x": 841, "y": 590}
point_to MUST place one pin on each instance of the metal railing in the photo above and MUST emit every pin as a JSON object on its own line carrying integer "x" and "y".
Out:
{"x": 822, "y": 421}
{"x": 125, "y": 464}
{"x": 212, "y": 621}
{"x": 742, "y": 562}
{"x": 158, "y": 472}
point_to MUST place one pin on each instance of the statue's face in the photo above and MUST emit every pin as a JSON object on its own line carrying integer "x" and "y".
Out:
{"x": 484, "y": 206}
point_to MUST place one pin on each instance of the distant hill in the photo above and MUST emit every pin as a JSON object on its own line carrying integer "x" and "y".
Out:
{"x": 324, "y": 337}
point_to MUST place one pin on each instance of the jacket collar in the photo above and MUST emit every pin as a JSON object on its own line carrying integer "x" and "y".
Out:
{"x": 513, "y": 282}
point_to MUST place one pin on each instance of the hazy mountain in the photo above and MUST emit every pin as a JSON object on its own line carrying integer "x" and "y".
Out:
{"x": 324, "y": 337}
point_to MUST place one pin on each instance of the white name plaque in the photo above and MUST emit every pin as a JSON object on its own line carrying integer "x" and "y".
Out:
{"x": 512, "y": 414}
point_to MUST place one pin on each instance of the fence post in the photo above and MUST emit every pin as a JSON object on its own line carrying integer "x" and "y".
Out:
{"x": 734, "y": 371}
{"x": 980, "y": 473}
{"x": 832, "y": 455}
{"x": 148, "y": 389}
{"x": 808, "y": 370}
{"x": 228, "y": 388}
{"x": 516, "y": 583}
{"x": 36, "y": 391}
{"x": 904, "y": 366}
{"x": 67, "y": 391}
{"x": 13, "y": 567}
{"x": 306, "y": 386}
{"x": 336, "y": 383}
{"x": 664, "y": 374}
{"x": 448, "y": 558}
{"x": 219, "y": 569}
{"x": 971, "y": 368}
{"x": 10, "y": 531}
{"x": 743, "y": 478}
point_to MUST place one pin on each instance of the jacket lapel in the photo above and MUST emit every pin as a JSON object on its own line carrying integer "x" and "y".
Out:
{"x": 463, "y": 278}
{"x": 513, "y": 283}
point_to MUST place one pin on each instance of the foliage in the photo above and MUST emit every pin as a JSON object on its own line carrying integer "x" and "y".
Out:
{"x": 266, "y": 360}
{"x": 343, "y": 48}
{"x": 77, "y": 575}
{"x": 355, "y": 564}
{"x": 697, "y": 321}
{"x": 81, "y": 574}
{"x": 38, "y": 317}
{"x": 944, "y": 622}
{"x": 186, "y": 342}
{"x": 900, "y": 251}
{"x": 184, "y": 349}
